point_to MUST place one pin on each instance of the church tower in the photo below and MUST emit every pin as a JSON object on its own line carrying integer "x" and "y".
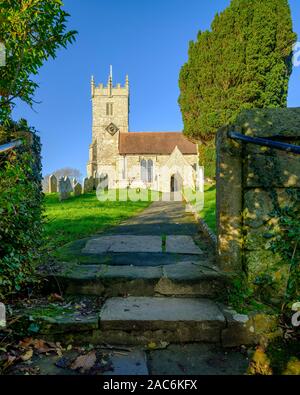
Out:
{"x": 110, "y": 106}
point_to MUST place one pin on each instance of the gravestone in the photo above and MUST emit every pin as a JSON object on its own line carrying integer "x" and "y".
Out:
{"x": 92, "y": 182}
{"x": 88, "y": 185}
{"x": 64, "y": 188}
{"x": 52, "y": 184}
{"x": 77, "y": 189}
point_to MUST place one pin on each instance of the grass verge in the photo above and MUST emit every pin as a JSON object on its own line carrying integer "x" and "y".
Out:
{"x": 82, "y": 216}
{"x": 209, "y": 210}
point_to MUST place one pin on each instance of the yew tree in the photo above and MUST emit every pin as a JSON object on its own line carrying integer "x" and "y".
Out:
{"x": 243, "y": 62}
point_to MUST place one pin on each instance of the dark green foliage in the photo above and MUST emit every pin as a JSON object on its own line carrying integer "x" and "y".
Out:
{"x": 244, "y": 62}
{"x": 32, "y": 31}
{"x": 20, "y": 208}
{"x": 208, "y": 157}
{"x": 285, "y": 241}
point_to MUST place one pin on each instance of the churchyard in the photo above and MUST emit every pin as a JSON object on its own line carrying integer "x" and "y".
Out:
{"x": 178, "y": 253}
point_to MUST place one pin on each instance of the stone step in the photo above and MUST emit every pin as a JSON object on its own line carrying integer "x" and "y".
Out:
{"x": 180, "y": 280}
{"x": 151, "y": 322}
{"x": 140, "y": 320}
{"x": 132, "y": 320}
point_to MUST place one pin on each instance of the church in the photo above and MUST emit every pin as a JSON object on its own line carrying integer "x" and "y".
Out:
{"x": 160, "y": 161}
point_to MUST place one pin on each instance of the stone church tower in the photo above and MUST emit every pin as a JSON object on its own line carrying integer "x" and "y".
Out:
{"x": 110, "y": 106}
{"x": 160, "y": 161}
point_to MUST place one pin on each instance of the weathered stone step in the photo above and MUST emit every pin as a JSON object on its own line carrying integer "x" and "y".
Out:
{"x": 140, "y": 320}
{"x": 143, "y": 321}
{"x": 180, "y": 279}
{"x": 132, "y": 320}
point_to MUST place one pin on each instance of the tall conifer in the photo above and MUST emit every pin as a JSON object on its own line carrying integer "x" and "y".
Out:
{"x": 243, "y": 62}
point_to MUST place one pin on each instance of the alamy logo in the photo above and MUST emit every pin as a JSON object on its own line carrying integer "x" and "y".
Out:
{"x": 2, "y": 316}
{"x": 296, "y": 57}
{"x": 2, "y": 55}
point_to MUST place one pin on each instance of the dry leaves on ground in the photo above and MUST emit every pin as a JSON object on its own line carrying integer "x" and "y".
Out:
{"x": 55, "y": 298}
{"x": 85, "y": 362}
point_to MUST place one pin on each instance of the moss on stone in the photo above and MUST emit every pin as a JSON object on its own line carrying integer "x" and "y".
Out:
{"x": 270, "y": 122}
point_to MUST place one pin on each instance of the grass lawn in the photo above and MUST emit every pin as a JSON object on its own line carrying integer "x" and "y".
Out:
{"x": 81, "y": 216}
{"x": 209, "y": 211}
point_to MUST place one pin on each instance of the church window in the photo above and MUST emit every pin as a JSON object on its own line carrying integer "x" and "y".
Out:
{"x": 144, "y": 170}
{"x": 124, "y": 167}
{"x": 109, "y": 109}
{"x": 150, "y": 170}
{"x": 147, "y": 170}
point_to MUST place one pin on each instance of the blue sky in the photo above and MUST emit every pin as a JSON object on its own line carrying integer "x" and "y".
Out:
{"x": 148, "y": 39}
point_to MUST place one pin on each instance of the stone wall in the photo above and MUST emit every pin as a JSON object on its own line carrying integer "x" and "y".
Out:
{"x": 253, "y": 184}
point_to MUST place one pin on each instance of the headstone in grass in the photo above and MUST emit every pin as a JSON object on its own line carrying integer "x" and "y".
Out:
{"x": 77, "y": 189}
{"x": 52, "y": 186}
{"x": 85, "y": 185}
{"x": 64, "y": 188}
{"x": 92, "y": 183}
{"x": 88, "y": 185}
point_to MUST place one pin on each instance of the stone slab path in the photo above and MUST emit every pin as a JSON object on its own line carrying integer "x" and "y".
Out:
{"x": 142, "y": 244}
{"x": 160, "y": 218}
{"x": 163, "y": 234}
{"x": 158, "y": 252}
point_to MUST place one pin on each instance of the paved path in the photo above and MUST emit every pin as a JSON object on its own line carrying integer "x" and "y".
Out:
{"x": 158, "y": 219}
{"x": 163, "y": 234}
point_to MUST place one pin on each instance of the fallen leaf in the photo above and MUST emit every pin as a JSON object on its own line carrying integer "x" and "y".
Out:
{"x": 28, "y": 355}
{"x": 84, "y": 362}
{"x": 10, "y": 360}
{"x": 55, "y": 298}
{"x": 26, "y": 342}
{"x": 51, "y": 344}
{"x": 152, "y": 345}
{"x": 42, "y": 347}
{"x": 155, "y": 346}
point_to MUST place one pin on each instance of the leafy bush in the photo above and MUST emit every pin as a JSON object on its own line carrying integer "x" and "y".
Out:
{"x": 286, "y": 243}
{"x": 20, "y": 208}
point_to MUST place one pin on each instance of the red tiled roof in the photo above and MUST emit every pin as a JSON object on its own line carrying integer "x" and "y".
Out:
{"x": 159, "y": 143}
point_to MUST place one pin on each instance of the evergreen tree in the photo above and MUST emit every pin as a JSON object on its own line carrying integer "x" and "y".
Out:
{"x": 244, "y": 62}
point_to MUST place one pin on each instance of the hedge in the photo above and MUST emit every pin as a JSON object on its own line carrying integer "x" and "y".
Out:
{"x": 21, "y": 208}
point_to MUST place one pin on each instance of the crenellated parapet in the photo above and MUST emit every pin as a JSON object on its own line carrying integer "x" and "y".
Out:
{"x": 109, "y": 90}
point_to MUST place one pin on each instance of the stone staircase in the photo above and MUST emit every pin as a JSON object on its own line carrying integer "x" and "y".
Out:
{"x": 182, "y": 279}
{"x": 141, "y": 305}
{"x": 153, "y": 289}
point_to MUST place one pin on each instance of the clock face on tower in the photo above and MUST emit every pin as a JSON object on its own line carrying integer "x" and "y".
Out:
{"x": 112, "y": 129}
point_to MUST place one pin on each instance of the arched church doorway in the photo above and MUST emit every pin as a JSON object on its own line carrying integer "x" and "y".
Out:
{"x": 176, "y": 183}
{"x": 173, "y": 183}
